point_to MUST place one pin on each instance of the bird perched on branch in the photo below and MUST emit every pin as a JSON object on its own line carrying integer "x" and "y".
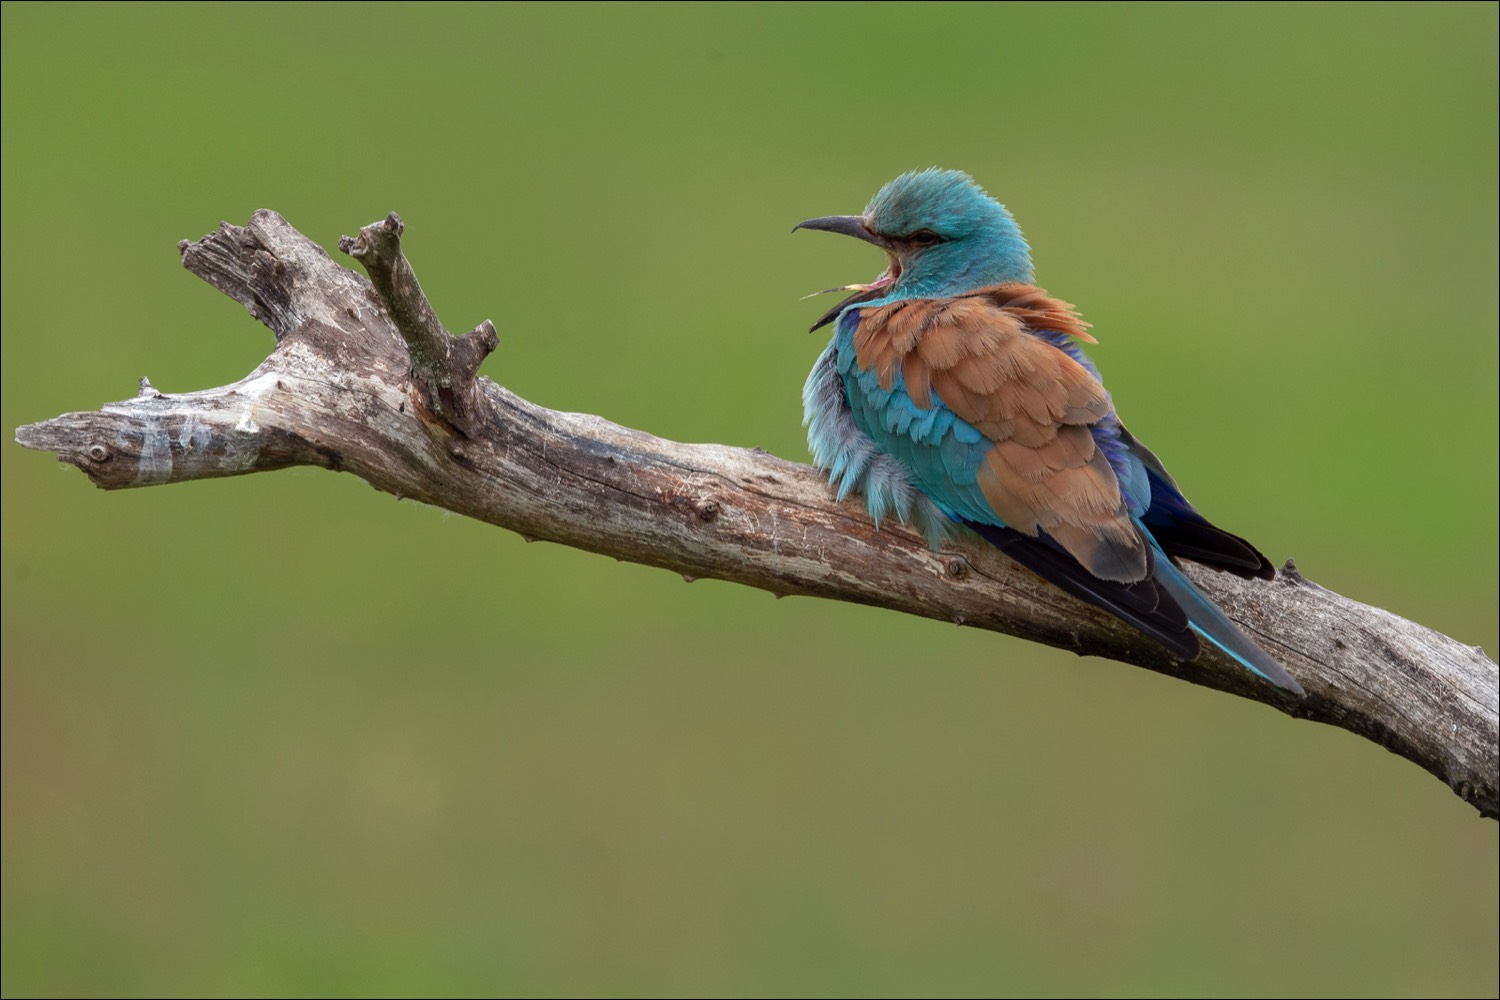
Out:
{"x": 954, "y": 393}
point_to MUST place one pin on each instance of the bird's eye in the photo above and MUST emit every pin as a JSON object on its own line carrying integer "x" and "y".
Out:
{"x": 924, "y": 238}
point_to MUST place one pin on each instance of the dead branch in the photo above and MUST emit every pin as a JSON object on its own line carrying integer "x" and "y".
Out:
{"x": 365, "y": 379}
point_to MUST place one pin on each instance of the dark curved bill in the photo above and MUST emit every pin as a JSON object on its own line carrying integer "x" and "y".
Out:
{"x": 844, "y": 225}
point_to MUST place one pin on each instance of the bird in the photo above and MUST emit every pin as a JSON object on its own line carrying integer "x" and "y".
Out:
{"x": 954, "y": 396}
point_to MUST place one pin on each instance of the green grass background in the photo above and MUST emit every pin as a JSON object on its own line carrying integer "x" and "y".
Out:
{"x": 283, "y": 734}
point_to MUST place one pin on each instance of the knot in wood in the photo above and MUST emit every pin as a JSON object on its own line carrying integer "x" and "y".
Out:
{"x": 707, "y": 508}
{"x": 956, "y": 568}
{"x": 99, "y": 453}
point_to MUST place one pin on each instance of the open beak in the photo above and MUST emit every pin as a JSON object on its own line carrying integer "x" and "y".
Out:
{"x": 853, "y": 225}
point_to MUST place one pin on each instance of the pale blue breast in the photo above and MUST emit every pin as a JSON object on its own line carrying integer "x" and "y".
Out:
{"x": 918, "y": 465}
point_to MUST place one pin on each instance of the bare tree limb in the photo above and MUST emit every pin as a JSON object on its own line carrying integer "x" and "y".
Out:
{"x": 365, "y": 379}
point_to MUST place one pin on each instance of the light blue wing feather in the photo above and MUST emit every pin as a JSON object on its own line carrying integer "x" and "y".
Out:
{"x": 940, "y": 451}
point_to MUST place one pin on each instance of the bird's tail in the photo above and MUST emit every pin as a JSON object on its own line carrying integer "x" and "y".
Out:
{"x": 1212, "y": 624}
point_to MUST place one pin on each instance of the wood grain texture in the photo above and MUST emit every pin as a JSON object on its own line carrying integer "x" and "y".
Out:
{"x": 344, "y": 390}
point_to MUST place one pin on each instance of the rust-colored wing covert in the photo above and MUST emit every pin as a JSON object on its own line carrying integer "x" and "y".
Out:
{"x": 1031, "y": 400}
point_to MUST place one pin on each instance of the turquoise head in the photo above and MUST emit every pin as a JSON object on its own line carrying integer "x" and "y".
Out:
{"x": 944, "y": 236}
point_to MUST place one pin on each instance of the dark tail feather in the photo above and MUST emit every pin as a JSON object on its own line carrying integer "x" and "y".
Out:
{"x": 1146, "y": 605}
{"x": 1211, "y": 546}
{"x": 1215, "y": 626}
{"x": 1165, "y": 606}
{"x": 1185, "y": 533}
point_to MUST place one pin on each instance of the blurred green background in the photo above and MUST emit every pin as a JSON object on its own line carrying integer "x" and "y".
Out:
{"x": 234, "y": 761}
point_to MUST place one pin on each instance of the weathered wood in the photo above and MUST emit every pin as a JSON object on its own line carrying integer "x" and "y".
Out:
{"x": 396, "y": 402}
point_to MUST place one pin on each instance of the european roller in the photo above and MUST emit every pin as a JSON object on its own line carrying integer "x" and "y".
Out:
{"x": 954, "y": 393}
